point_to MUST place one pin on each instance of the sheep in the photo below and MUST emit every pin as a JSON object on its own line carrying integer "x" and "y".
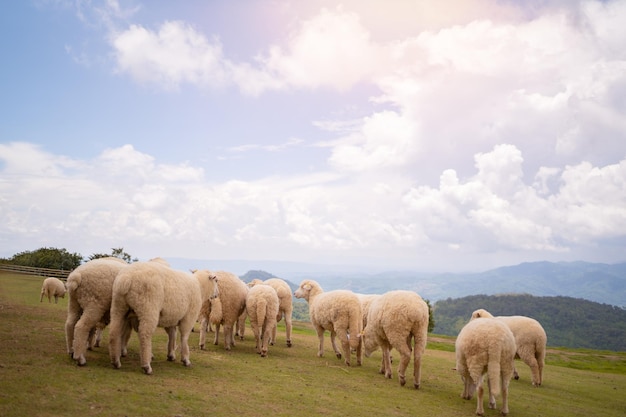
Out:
{"x": 366, "y": 302}
{"x": 262, "y": 306}
{"x": 286, "y": 305}
{"x": 530, "y": 338}
{"x": 89, "y": 289}
{"x": 155, "y": 295}
{"x": 338, "y": 311}
{"x": 52, "y": 287}
{"x": 394, "y": 319}
{"x": 485, "y": 346}
{"x": 226, "y": 309}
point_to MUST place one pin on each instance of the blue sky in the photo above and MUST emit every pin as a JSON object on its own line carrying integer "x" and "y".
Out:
{"x": 399, "y": 135}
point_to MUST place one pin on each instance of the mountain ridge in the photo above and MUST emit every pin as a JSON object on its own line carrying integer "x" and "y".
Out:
{"x": 599, "y": 282}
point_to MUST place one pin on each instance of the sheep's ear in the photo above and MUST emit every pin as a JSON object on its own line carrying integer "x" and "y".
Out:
{"x": 307, "y": 286}
{"x": 193, "y": 271}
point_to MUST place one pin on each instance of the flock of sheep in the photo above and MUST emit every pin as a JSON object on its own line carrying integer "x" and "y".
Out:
{"x": 145, "y": 295}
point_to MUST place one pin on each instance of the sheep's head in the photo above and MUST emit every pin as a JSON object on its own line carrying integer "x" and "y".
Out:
{"x": 369, "y": 342}
{"x": 304, "y": 291}
{"x": 254, "y": 282}
{"x": 481, "y": 313}
{"x": 216, "y": 288}
{"x": 208, "y": 283}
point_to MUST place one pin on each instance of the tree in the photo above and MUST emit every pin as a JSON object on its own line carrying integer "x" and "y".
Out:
{"x": 48, "y": 258}
{"x": 115, "y": 253}
{"x": 431, "y": 319}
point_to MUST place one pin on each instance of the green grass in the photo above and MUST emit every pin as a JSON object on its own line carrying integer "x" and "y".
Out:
{"x": 38, "y": 378}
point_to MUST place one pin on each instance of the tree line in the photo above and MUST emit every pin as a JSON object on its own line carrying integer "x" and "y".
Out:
{"x": 55, "y": 258}
{"x": 568, "y": 322}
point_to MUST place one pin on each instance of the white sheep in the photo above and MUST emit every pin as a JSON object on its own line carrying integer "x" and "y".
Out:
{"x": 337, "y": 311}
{"x": 530, "y": 338}
{"x": 366, "y": 301}
{"x": 286, "y": 305}
{"x": 262, "y": 306}
{"x": 90, "y": 288}
{"x": 52, "y": 287}
{"x": 485, "y": 346}
{"x": 226, "y": 309}
{"x": 154, "y": 295}
{"x": 398, "y": 319}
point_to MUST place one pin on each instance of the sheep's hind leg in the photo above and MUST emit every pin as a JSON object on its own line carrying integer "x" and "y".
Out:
{"x": 333, "y": 342}
{"x": 505, "y": 397}
{"x": 146, "y": 330}
{"x": 345, "y": 346}
{"x": 204, "y": 325}
{"x": 288, "y": 327}
{"x": 171, "y": 343}
{"x": 185, "y": 331}
{"x": 82, "y": 334}
{"x": 385, "y": 368}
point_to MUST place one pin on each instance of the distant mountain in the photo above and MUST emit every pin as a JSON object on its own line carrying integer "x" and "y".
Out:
{"x": 602, "y": 283}
{"x": 262, "y": 275}
{"x": 255, "y": 274}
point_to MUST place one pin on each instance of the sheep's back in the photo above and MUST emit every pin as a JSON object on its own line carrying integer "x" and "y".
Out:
{"x": 283, "y": 291}
{"x": 92, "y": 282}
{"x": 332, "y": 305}
{"x": 480, "y": 338}
{"x": 262, "y": 294}
{"x": 141, "y": 285}
{"x": 233, "y": 292}
{"x": 525, "y": 329}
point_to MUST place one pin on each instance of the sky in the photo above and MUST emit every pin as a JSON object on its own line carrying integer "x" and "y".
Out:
{"x": 432, "y": 136}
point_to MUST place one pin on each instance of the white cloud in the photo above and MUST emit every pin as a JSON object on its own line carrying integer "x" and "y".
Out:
{"x": 331, "y": 49}
{"x": 383, "y": 140}
{"x": 269, "y": 148}
{"x": 174, "y": 55}
{"x": 494, "y": 209}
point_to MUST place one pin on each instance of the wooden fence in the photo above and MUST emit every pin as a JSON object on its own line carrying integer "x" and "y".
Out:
{"x": 30, "y": 270}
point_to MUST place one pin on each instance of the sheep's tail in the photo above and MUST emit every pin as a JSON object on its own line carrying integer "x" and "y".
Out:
{"x": 355, "y": 328}
{"x": 216, "y": 315}
{"x": 261, "y": 312}
{"x": 73, "y": 281}
{"x": 494, "y": 375}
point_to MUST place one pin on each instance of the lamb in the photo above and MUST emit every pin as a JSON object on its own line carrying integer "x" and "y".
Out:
{"x": 262, "y": 305}
{"x": 394, "y": 319}
{"x": 530, "y": 338}
{"x": 154, "y": 295}
{"x": 52, "y": 287}
{"x": 89, "y": 288}
{"x": 485, "y": 346}
{"x": 285, "y": 308}
{"x": 338, "y": 311}
{"x": 226, "y": 309}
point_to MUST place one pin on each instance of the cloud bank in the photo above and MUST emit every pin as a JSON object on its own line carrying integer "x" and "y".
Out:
{"x": 495, "y": 133}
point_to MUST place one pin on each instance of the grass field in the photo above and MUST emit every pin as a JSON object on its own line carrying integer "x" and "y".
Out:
{"x": 37, "y": 377}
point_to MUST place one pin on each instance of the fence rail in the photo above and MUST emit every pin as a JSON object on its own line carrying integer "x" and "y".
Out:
{"x": 30, "y": 270}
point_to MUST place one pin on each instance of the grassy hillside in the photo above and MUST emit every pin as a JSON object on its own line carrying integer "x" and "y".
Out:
{"x": 38, "y": 378}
